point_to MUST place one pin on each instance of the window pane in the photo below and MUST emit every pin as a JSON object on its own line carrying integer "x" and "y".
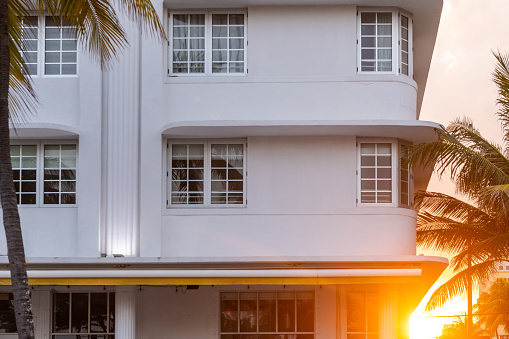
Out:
{"x": 61, "y": 312}
{"x": 355, "y": 312}
{"x": 187, "y": 161}
{"x": 247, "y": 312}
{"x": 286, "y": 312}
{"x": 188, "y": 33}
{"x": 372, "y": 312}
{"x": 376, "y": 42}
{"x": 236, "y": 19}
{"x": 305, "y": 312}
{"x": 219, "y": 19}
{"x": 229, "y": 312}
{"x": 267, "y": 311}
{"x": 99, "y": 312}
{"x": 79, "y": 312}
{"x": 7, "y": 320}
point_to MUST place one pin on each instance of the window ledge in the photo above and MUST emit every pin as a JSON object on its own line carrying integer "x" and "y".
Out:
{"x": 376, "y": 210}
{"x": 368, "y": 78}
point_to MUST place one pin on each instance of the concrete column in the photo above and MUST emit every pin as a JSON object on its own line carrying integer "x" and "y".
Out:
{"x": 41, "y": 303}
{"x": 125, "y": 312}
{"x": 121, "y": 150}
{"x": 389, "y": 313}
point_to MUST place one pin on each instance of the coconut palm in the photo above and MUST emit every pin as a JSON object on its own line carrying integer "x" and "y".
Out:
{"x": 458, "y": 330}
{"x": 100, "y": 33}
{"x": 476, "y": 234}
{"x": 493, "y": 307}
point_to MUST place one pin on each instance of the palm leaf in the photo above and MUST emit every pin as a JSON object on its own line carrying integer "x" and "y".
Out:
{"x": 22, "y": 97}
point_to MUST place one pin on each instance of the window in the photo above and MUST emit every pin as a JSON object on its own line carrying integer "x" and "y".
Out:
{"x": 271, "y": 315}
{"x": 362, "y": 312}
{"x": 207, "y": 43}
{"x": 384, "y": 42}
{"x": 378, "y": 180}
{"x": 56, "y": 54}
{"x": 29, "y": 26}
{"x": 209, "y": 173}
{"x": 7, "y": 320}
{"x": 83, "y": 315}
{"x": 44, "y": 173}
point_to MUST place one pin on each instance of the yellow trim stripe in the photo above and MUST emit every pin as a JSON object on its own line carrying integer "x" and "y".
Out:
{"x": 217, "y": 281}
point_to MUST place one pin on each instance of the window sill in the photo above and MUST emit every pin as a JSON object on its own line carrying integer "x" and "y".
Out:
{"x": 290, "y": 79}
{"x": 365, "y": 210}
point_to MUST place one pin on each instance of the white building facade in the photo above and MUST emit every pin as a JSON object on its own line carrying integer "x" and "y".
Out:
{"x": 242, "y": 181}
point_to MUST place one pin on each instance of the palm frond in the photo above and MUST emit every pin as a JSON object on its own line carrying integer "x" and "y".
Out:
{"x": 96, "y": 23}
{"x": 456, "y": 285}
{"x": 501, "y": 79}
{"x": 470, "y": 169}
{"x": 22, "y": 97}
{"x": 143, "y": 13}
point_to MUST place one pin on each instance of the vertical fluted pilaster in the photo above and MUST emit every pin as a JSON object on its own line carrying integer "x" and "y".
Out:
{"x": 121, "y": 150}
{"x": 41, "y": 305}
{"x": 125, "y": 312}
{"x": 389, "y": 314}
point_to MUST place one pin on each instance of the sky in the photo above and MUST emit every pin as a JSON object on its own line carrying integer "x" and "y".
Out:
{"x": 460, "y": 85}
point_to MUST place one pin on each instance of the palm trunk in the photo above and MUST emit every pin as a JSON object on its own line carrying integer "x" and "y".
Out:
{"x": 21, "y": 291}
{"x": 469, "y": 300}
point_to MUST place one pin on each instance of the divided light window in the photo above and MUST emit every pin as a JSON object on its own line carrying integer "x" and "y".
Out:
{"x": 49, "y": 45}
{"x": 83, "y": 315}
{"x": 284, "y": 315}
{"x": 207, "y": 43}
{"x": 384, "y": 42}
{"x": 44, "y": 174}
{"x": 209, "y": 173}
{"x": 382, "y": 180}
{"x": 362, "y": 313}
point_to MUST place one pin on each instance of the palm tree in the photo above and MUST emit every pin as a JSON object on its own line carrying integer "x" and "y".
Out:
{"x": 493, "y": 307}
{"x": 100, "y": 32}
{"x": 475, "y": 233}
{"x": 458, "y": 330}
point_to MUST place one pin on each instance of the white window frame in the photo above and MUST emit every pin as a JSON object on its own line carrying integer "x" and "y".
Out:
{"x": 410, "y": 44}
{"x": 396, "y": 41}
{"x": 41, "y": 51}
{"x": 343, "y": 306}
{"x": 89, "y": 292}
{"x": 207, "y": 173}
{"x": 409, "y": 179}
{"x": 396, "y": 146}
{"x": 39, "y": 198}
{"x": 295, "y": 298}
{"x": 208, "y": 43}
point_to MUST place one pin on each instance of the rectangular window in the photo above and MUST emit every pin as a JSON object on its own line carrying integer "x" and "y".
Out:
{"x": 376, "y": 173}
{"x": 58, "y": 47}
{"x": 83, "y": 315}
{"x": 207, "y": 43}
{"x": 8, "y": 322}
{"x": 382, "y": 180}
{"x": 384, "y": 42}
{"x": 376, "y": 42}
{"x": 404, "y": 43}
{"x": 47, "y": 168}
{"x": 59, "y": 174}
{"x": 61, "y": 48}
{"x": 405, "y": 180}
{"x": 24, "y": 171}
{"x": 282, "y": 315}
{"x": 30, "y": 40}
{"x": 362, "y": 313}
{"x": 210, "y": 174}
